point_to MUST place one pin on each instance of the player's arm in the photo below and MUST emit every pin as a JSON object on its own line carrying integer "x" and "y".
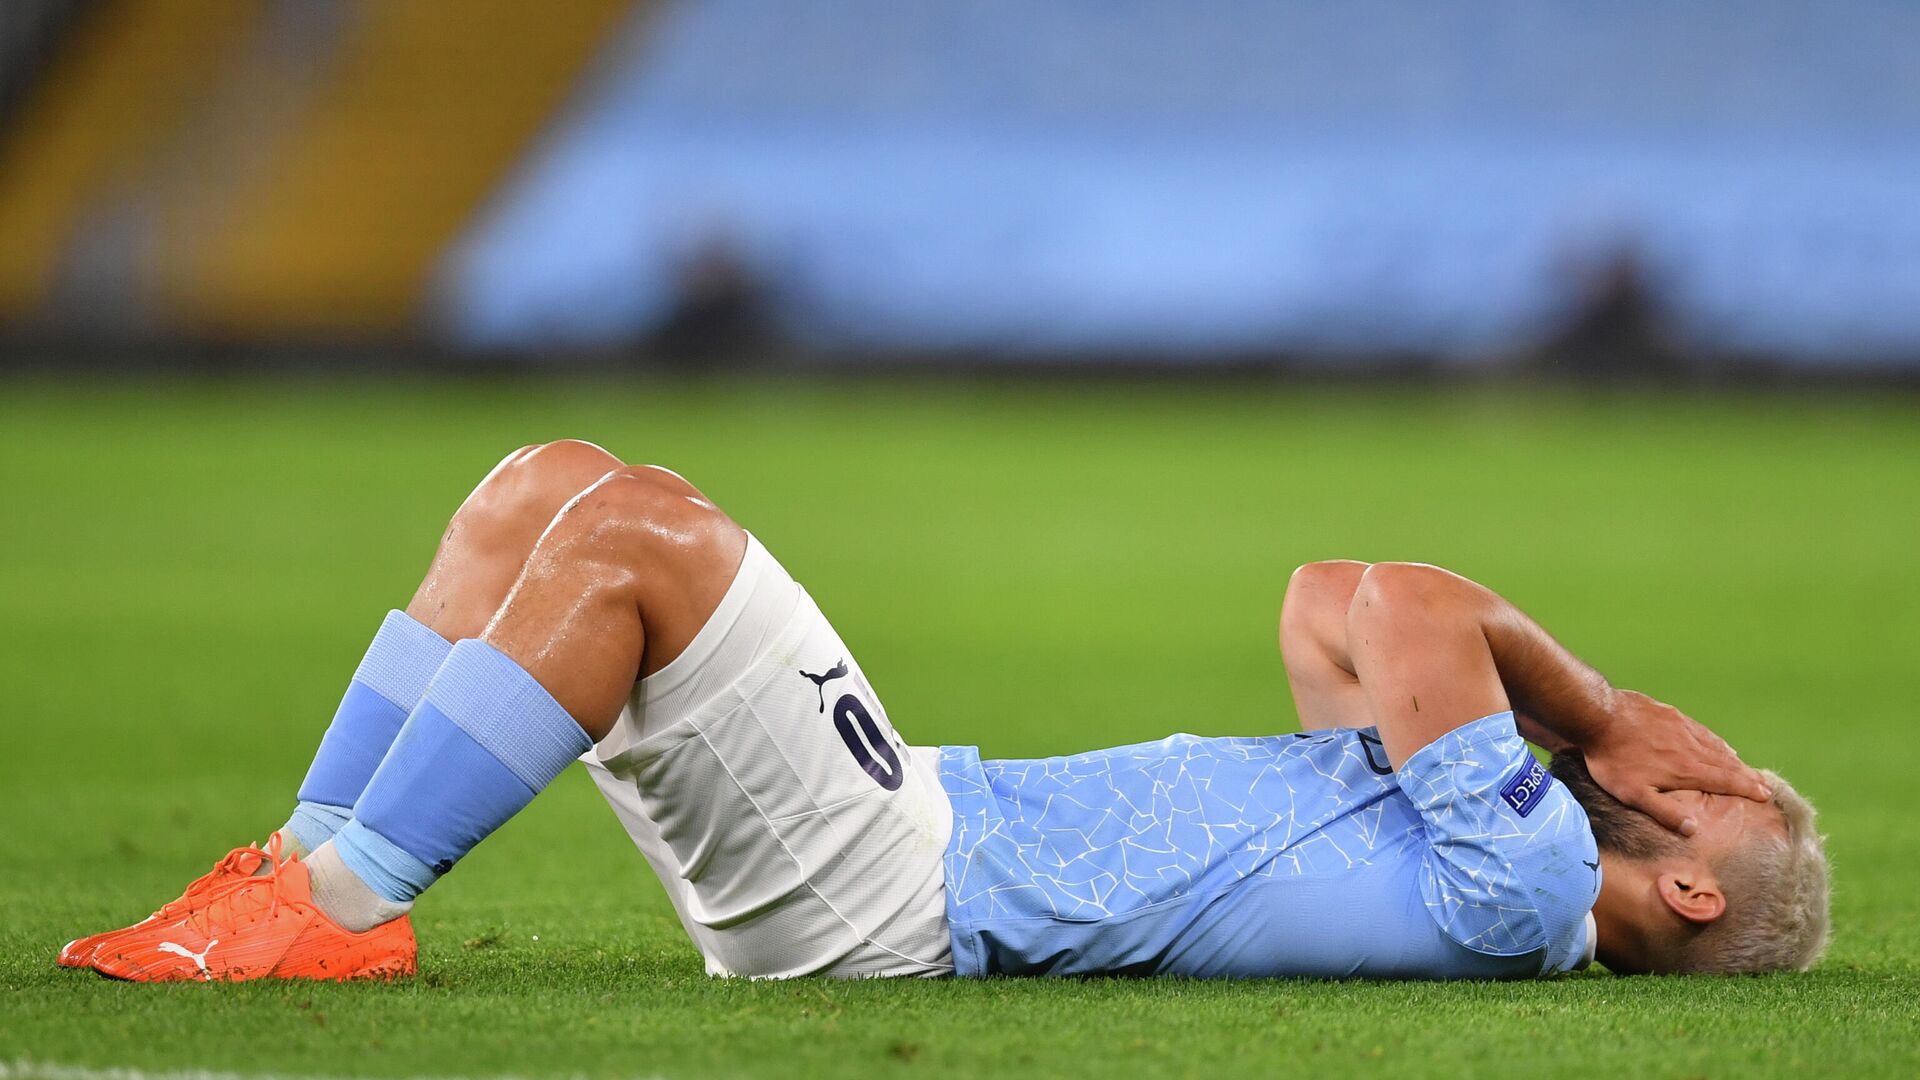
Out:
{"x": 1313, "y": 646}
{"x": 1433, "y": 651}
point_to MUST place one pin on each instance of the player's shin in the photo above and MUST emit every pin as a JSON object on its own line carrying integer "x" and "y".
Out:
{"x": 389, "y": 682}
{"x": 484, "y": 740}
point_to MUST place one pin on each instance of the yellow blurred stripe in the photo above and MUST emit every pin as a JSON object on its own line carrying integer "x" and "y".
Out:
{"x": 132, "y": 74}
{"x": 428, "y": 105}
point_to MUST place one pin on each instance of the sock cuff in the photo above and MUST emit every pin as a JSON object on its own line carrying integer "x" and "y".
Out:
{"x": 507, "y": 712}
{"x": 314, "y": 823}
{"x": 402, "y": 659}
{"x": 386, "y": 868}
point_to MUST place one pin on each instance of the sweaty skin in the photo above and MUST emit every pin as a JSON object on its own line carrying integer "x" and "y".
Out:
{"x": 590, "y": 573}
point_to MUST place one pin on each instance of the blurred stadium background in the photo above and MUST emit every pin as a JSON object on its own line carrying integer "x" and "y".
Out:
{"x": 1642, "y": 187}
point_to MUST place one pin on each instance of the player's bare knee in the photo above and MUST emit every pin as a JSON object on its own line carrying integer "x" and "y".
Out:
{"x": 530, "y": 486}
{"x": 643, "y": 511}
{"x": 1328, "y": 582}
{"x": 1389, "y": 582}
{"x": 559, "y": 470}
{"x": 661, "y": 477}
{"x": 1404, "y": 593}
{"x": 1317, "y": 598}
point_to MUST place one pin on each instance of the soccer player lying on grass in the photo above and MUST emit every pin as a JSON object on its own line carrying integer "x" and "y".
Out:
{"x": 582, "y": 608}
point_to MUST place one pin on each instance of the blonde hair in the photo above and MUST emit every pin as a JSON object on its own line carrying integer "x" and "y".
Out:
{"x": 1776, "y": 892}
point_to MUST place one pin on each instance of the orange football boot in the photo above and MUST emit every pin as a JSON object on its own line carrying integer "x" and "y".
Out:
{"x": 263, "y": 927}
{"x": 241, "y": 862}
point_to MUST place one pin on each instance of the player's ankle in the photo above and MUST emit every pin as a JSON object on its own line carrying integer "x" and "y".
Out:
{"x": 342, "y": 896}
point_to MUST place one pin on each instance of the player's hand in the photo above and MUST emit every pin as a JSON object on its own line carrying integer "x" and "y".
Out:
{"x": 1652, "y": 749}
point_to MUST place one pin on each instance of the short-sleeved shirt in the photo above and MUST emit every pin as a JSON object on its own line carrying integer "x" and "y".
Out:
{"x": 1301, "y": 855}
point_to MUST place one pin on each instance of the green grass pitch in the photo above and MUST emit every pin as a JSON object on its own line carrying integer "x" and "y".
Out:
{"x": 189, "y": 571}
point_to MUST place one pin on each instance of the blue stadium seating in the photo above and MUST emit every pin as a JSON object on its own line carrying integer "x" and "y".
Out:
{"x": 1093, "y": 176}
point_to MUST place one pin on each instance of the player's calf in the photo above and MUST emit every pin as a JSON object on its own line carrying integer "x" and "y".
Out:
{"x": 620, "y": 581}
{"x": 617, "y": 583}
{"x": 479, "y": 556}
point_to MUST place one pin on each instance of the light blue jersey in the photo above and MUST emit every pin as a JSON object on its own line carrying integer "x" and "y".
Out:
{"x": 1289, "y": 855}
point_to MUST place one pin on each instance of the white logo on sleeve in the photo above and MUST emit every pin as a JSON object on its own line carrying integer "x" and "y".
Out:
{"x": 199, "y": 958}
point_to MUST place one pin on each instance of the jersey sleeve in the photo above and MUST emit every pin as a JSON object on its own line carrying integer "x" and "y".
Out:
{"x": 1510, "y": 866}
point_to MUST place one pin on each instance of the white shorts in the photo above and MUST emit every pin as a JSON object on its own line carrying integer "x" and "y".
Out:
{"x": 793, "y": 829}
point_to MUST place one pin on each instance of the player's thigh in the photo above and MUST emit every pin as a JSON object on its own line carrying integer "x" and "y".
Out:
{"x": 760, "y": 774}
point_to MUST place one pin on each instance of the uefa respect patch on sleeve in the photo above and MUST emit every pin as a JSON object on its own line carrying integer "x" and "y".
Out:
{"x": 1525, "y": 790}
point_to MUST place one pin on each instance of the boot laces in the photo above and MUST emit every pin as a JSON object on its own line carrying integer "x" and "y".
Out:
{"x": 232, "y": 865}
{"x": 222, "y": 903}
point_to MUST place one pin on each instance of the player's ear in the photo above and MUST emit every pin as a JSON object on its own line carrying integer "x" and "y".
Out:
{"x": 1694, "y": 897}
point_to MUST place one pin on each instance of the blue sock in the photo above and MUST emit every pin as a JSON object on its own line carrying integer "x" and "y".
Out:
{"x": 385, "y": 688}
{"x": 481, "y": 744}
